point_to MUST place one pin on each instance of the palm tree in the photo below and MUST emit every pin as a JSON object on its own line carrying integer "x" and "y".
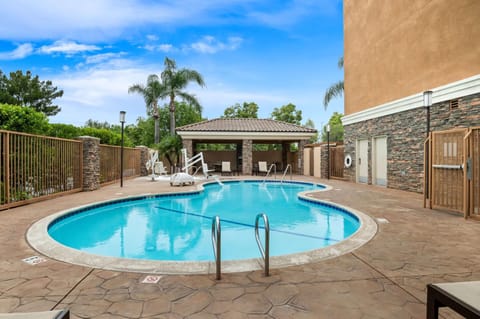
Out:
{"x": 151, "y": 92}
{"x": 335, "y": 90}
{"x": 174, "y": 81}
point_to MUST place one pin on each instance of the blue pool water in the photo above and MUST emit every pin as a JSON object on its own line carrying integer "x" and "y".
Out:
{"x": 178, "y": 227}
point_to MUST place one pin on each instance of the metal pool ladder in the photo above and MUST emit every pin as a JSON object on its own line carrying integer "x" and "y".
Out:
{"x": 217, "y": 244}
{"x": 269, "y": 170}
{"x": 285, "y": 173}
{"x": 265, "y": 252}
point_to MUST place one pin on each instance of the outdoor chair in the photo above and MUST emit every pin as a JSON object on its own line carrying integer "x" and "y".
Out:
{"x": 54, "y": 314}
{"x": 206, "y": 171}
{"x": 160, "y": 169}
{"x": 262, "y": 168}
{"x": 226, "y": 168}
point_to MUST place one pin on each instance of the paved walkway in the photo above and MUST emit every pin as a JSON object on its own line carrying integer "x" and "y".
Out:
{"x": 385, "y": 278}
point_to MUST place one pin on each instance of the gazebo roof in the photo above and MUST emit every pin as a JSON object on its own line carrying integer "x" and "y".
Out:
{"x": 245, "y": 128}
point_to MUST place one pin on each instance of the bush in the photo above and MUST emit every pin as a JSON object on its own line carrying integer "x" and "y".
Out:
{"x": 22, "y": 119}
{"x": 106, "y": 136}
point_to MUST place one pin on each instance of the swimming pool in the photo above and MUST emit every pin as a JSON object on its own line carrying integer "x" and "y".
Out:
{"x": 176, "y": 228}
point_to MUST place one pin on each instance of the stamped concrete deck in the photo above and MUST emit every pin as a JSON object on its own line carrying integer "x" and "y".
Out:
{"x": 386, "y": 278}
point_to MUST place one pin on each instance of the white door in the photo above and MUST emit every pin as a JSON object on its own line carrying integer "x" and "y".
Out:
{"x": 362, "y": 161}
{"x": 380, "y": 161}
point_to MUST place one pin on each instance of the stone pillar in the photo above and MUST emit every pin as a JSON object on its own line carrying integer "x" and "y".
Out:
{"x": 144, "y": 157}
{"x": 247, "y": 150}
{"x": 188, "y": 145}
{"x": 301, "y": 146}
{"x": 324, "y": 161}
{"x": 91, "y": 163}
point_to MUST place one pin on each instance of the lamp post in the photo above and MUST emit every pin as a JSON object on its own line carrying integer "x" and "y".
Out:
{"x": 122, "y": 120}
{"x": 328, "y": 151}
{"x": 427, "y": 102}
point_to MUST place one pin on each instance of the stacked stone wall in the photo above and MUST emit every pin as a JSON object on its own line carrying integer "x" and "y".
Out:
{"x": 406, "y": 133}
{"x": 91, "y": 163}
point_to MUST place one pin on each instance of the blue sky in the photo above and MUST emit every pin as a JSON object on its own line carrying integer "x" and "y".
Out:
{"x": 268, "y": 52}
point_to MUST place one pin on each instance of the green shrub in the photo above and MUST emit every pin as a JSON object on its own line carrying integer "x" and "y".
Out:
{"x": 22, "y": 119}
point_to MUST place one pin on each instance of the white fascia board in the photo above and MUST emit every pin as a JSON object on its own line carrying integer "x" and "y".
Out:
{"x": 244, "y": 136}
{"x": 442, "y": 93}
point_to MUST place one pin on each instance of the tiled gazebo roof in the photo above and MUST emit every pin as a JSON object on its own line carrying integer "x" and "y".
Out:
{"x": 249, "y": 125}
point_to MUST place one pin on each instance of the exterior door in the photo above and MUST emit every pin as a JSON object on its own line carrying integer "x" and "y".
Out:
{"x": 380, "y": 161}
{"x": 362, "y": 161}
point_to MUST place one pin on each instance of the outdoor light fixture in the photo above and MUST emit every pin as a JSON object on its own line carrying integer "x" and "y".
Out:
{"x": 122, "y": 120}
{"x": 328, "y": 151}
{"x": 427, "y": 102}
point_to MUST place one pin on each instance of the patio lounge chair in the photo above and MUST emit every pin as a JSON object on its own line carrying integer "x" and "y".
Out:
{"x": 226, "y": 168}
{"x": 54, "y": 314}
{"x": 463, "y": 297}
{"x": 160, "y": 169}
{"x": 262, "y": 168}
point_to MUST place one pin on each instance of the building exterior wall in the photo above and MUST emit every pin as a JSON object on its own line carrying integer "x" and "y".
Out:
{"x": 394, "y": 49}
{"x": 406, "y": 133}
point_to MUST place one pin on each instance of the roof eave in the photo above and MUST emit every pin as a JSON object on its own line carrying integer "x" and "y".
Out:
{"x": 195, "y": 135}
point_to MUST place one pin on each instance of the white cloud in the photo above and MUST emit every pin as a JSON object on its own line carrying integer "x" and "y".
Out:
{"x": 67, "y": 47}
{"x": 103, "y": 57}
{"x": 160, "y": 47}
{"x": 152, "y": 37}
{"x": 22, "y": 51}
{"x": 209, "y": 44}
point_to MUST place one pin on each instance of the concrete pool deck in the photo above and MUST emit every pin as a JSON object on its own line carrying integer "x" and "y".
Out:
{"x": 385, "y": 278}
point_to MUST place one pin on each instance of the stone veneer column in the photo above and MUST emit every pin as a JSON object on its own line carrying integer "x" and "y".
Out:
{"x": 247, "y": 150}
{"x": 301, "y": 146}
{"x": 188, "y": 145}
{"x": 91, "y": 163}
{"x": 144, "y": 156}
{"x": 323, "y": 161}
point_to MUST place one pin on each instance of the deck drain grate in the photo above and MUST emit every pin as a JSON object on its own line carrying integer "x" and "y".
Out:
{"x": 34, "y": 260}
{"x": 382, "y": 221}
{"x": 150, "y": 279}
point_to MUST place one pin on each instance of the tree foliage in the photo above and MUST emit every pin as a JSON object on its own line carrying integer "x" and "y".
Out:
{"x": 27, "y": 90}
{"x": 246, "y": 110}
{"x": 152, "y": 93}
{"x": 174, "y": 82}
{"x": 22, "y": 119}
{"x": 309, "y": 123}
{"x": 335, "y": 90}
{"x": 287, "y": 113}
{"x": 336, "y": 128}
{"x": 97, "y": 124}
{"x": 170, "y": 147}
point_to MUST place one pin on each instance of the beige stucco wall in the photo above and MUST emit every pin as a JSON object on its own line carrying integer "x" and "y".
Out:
{"x": 393, "y": 49}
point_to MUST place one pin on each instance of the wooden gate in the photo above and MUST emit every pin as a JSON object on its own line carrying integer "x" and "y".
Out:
{"x": 452, "y": 171}
{"x": 472, "y": 179}
{"x": 336, "y": 161}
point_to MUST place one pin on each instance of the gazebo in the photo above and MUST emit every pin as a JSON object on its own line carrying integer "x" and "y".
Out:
{"x": 244, "y": 133}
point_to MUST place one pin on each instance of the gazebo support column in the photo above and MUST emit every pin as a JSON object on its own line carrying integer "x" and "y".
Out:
{"x": 285, "y": 150}
{"x": 247, "y": 151}
{"x": 188, "y": 145}
{"x": 301, "y": 146}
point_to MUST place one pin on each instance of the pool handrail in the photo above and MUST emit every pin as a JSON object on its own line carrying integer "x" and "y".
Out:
{"x": 285, "y": 173}
{"x": 264, "y": 252}
{"x": 217, "y": 244}
{"x": 269, "y": 170}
